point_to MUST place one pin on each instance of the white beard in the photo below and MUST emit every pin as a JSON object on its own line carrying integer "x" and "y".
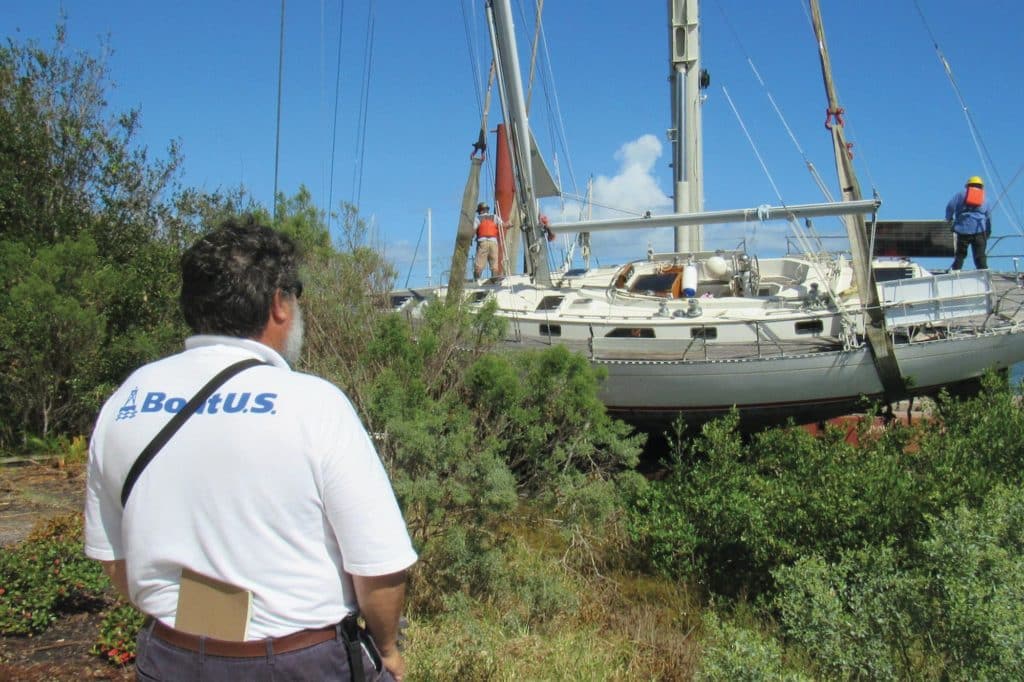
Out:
{"x": 293, "y": 341}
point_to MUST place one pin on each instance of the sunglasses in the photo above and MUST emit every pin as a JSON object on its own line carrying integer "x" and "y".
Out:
{"x": 294, "y": 289}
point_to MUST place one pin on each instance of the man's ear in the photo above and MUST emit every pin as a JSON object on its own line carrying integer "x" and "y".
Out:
{"x": 280, "y": 308}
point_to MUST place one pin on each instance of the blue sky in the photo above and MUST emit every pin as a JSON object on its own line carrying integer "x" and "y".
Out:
{"x": 205, "y": 73}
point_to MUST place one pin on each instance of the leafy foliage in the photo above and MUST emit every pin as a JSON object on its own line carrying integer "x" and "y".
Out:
{"x": 736, "y": 653}
{"x": 121, "y": 625}
{"x": 86, "y": 255}
{"x": 973, "y": 563}
{"x": 465, "y": 432}
{"x": 857, "y": 617}
{"x": 47, "y": 575}
{"x": 731, "y": 511}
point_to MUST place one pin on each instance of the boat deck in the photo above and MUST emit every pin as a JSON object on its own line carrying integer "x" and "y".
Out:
{"x": 1008, "y": 310}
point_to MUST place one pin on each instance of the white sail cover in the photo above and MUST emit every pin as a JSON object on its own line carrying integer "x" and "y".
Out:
{"x": 544, "y": 184}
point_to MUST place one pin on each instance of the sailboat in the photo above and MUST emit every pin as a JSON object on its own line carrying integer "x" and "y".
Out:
{"x": 698, "y": 332}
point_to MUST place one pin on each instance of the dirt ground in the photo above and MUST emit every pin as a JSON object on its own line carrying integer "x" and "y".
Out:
{"x": 31, "y": 491}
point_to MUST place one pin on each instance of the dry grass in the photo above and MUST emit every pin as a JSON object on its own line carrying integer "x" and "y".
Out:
{"x": 618, "y": 626}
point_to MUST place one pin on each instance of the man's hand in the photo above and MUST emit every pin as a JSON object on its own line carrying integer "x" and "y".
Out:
{"x": 380, "y": 604}
{"x": 394, "y": 664}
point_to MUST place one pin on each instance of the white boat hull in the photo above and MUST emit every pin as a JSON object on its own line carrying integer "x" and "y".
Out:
{"x": 805, "y": 387}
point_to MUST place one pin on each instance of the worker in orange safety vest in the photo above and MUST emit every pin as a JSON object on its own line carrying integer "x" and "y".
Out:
{"x": 488, "y": 232}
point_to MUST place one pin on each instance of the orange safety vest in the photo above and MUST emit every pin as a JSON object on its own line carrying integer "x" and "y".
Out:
{"x": 487, "y": 227}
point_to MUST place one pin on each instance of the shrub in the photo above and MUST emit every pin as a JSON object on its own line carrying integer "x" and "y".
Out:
{"x": 733, "y": 510}
{"x": 120, "y": 627}
{"x": 46, "y": 575}
{"x": 858, "y": 618}
{"x": 733, "y": 653}
{"x": 974, "y": 563}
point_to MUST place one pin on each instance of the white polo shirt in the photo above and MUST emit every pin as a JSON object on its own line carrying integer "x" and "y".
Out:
{"x": 273, "y": 485}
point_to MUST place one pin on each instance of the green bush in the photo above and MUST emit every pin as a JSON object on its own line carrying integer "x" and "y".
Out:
{"x": 732, "y": 653}
{"x": 120, "y": 627}
{"x": 859, "y": 618}
{"x": 47, "y": 575}
{"x": 974, "y": 564}
{"x": 953, "y": 608}
{"x": 733, "y": 510}
{"x": 974, "y": 446}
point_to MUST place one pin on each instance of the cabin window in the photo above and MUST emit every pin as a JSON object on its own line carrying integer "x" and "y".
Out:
{"x": 399, "y": 300}
{"x": 478, "y": 296}
{"x": 657, "y": 284}
{"x": 706, "y": 333}
{"x": 891, "y": 274}
{"x": 550, "y": 302}
{"x": 631, "y": 332}
{"x": 810, "y": 327}
{"x": 551, "y": 330}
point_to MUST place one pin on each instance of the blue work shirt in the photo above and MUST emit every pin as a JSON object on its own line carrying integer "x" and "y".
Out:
{"x": 968, "y": 220}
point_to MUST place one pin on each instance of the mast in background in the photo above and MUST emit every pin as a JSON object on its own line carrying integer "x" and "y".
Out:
{"x": 687, "y": 152}
{"x": 874, "y": 330}
{"x": 510, "y": 84}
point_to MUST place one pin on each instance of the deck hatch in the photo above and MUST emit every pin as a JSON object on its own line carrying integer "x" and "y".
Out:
{"x": 550, "y": 302}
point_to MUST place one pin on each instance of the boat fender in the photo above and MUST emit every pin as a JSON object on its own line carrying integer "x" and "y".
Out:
{"x": 690, "y": 281}
{"x": 717, "y": 267}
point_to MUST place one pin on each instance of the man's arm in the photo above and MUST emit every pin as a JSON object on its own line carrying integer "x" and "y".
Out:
{"x": 951, "y": 209}
{"x": 118, "y": 575}
{"x": 380, "y": 603}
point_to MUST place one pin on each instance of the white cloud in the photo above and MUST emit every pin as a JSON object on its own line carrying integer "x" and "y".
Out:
{"x": 632, "y": 191}
{"x": 634, "y": 188}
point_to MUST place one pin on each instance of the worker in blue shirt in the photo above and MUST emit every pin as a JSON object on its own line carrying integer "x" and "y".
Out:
{"x": 970, "y": 216}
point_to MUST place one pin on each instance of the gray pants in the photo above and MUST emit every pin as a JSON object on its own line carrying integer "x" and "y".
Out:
{"x": 327, "y": 661}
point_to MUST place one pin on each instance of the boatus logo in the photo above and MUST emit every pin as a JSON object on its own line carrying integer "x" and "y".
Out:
{"x": 231, "y": 402}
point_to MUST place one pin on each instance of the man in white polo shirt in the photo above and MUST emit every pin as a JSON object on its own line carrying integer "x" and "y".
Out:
{"x": 272, "y": 486}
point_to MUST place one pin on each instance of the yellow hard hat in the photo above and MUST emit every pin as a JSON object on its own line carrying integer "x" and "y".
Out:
{"x": 975, "y": 180}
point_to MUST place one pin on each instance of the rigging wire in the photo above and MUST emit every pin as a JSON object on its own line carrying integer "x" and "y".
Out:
{"x": 415, "y": 252}
{"x": 357, "y": 179}
{"x": 811, "y": 168}
{"x": 848, "y": 125}
{"x": 557, "y": 109}
{"x": 807, "y": 237}
{"x": 323, "y": 96}
{"x": 753, "y": 145}
{"x": 804, "y": 234}
{"x": 533, "y": 51}
{"x": 984, "y": 156}
{"x": 277, "y": 135}
{"x": 334, "y": 130}
{"x": 473, "y": 50}
{"x": 482, "y": 89}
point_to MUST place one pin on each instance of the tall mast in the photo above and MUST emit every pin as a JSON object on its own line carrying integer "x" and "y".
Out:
{"x": 687, "y": 155}
{"x": 510, "y": 85}
{"x": 856, "y": 227}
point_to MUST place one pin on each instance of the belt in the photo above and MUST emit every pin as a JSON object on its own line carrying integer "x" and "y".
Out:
{"x": 258, "y": 647}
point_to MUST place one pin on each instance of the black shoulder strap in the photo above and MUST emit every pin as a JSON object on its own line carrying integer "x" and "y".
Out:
{"x": 171, "y": 427}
